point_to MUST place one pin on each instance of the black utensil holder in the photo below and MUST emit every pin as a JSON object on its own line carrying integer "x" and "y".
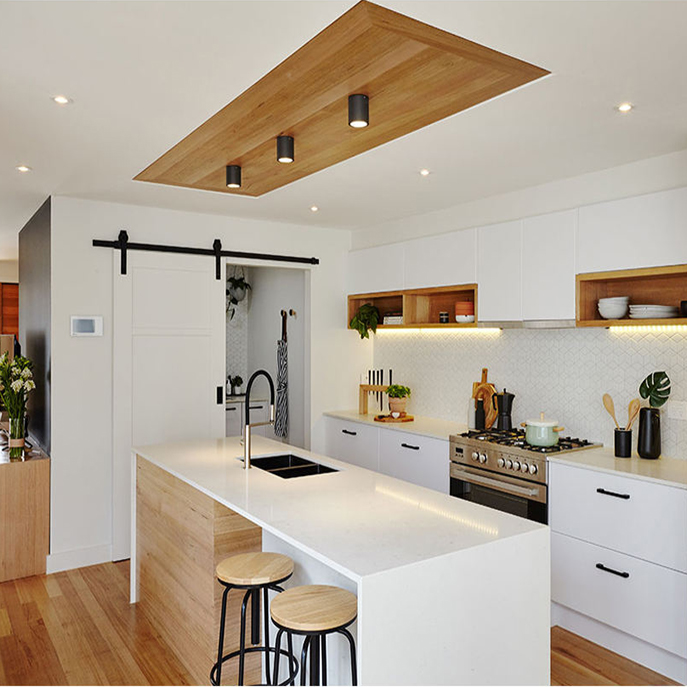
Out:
{"x": 623, "y": 443}
{"x": 649, "y": 440}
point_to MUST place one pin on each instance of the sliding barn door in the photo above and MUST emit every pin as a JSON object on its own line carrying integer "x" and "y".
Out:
{"x": 169, "y": 360}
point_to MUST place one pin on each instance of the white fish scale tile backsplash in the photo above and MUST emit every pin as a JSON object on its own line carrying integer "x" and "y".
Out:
{"x": 563, "y": 372}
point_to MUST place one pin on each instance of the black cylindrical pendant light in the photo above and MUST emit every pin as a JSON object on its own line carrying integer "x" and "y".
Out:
{"x": 233, "y": 176}
{"x": 285, "y": 149}
{"x": 358, "y": 110}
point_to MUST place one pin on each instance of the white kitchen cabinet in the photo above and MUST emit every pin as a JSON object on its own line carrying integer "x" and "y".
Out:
{"x": 376, "y": 269}
{"x": 234, "y": 419}
{"x": 633, "y": 516}
{"x": 414, "y": 458}
{"x": 352, "y": 442}
{"x": 442, "y": 260}
{"x": 642, "y": 599}
{"x": 642, "y": 231}
{"x": 499, "y": 272}
{"x": 548, "y": 266}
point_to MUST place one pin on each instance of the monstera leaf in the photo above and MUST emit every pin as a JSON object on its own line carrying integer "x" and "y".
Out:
{"x": 656, "y": 388}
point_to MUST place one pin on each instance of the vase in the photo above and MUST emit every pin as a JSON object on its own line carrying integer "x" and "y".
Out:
{"x": 16, "y": 439}
{"x": 649, "y": 441}
{"x": 397, "y": 405}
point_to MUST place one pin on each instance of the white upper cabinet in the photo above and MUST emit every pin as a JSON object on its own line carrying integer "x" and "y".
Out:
{"x": 548, "y": 266}
{"x": 376, "y": 269}
{"x": 442, "y": 260}
{"x": 643, "y": 231}
{"x": 499, "y": 272}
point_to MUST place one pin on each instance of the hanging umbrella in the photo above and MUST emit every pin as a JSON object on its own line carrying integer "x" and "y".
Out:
{"x": 281, "y": 418}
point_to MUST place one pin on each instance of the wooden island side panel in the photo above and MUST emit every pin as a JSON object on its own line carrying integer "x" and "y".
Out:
{"x": 181, "y": 535}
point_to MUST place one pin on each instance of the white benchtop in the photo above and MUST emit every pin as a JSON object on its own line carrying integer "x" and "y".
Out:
{"x": 665, "y": 470}
{"x": 356, "y": 521}
{"x": 425, "y": 426}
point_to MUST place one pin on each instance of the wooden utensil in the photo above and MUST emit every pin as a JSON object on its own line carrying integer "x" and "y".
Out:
{"x": 608, "y": 405}
{"x": 632, "y": 412}
{"x": 485, "y": 390}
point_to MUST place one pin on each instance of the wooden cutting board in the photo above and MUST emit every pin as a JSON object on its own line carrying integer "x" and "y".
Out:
{"x": 388, "y": 418}
{"x": 485, "y": 390}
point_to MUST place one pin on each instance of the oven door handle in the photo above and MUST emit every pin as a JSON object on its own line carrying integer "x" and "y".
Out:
{"x": 495, "y": 483}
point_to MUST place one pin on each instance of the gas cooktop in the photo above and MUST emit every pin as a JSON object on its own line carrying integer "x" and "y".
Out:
{"x": 515, "y": 438}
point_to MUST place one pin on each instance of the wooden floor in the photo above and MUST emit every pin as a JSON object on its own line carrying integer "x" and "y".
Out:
{"x": 78, "y": 628}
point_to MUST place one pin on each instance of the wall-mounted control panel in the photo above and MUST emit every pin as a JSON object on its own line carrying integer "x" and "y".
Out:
{"x": 86, "y": 325}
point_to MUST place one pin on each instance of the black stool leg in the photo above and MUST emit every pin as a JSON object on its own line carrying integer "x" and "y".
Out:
{"x": 290, "y": 639}
{"x": 255, "y": 616}
{"x": 314, "y": 661}
{"x": 351, "y": 643}
{"x": 304, "y": 655}
{"x": 266, "y": 642}
{"x": 277, "y": 648}
{"x": 242, "y": 643}
{"x": 324, "y": 659}
{"x": 222, "y": 624}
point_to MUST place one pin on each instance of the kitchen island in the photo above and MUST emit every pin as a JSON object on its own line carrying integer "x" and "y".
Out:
{"x": 422, "y": 564}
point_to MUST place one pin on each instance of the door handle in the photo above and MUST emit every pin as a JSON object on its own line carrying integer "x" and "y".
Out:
{"x": 605, "y": 492}
{"x": 410, "y": 446}
{"x": 601, "y": 566}
{"x": 348, "y": 431}
{"x": 220, "y": 395}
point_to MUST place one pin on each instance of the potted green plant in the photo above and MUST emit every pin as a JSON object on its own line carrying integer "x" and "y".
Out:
{"x": 16, "y": 381}
{"x": 656, "y": 389}
{"x": 236, "y": 383}
{"x": 365, "y": 319}
{"x": 237, "y": 289}
{"x": 398, "y": 397}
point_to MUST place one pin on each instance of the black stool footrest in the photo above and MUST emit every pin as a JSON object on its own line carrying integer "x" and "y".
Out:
{"x": 253, "y": 650}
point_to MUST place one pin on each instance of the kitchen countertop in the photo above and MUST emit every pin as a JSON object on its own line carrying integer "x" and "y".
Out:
{"x": 671, "y": 472}
{"x": 425, "y": 426}
{"x": 356, "y": 521}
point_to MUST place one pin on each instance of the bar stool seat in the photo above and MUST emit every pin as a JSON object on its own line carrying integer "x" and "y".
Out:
{"x": 254, "y": 569}
{"x": 257, "y": 573}
{"x": 315, "y": 611}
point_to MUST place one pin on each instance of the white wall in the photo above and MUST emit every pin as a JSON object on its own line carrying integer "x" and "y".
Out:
{"x": 274, "y": 290}
{"x": 646, "y": 176}
{"x": 82, "y": 367}
{"x": 9, "y": 271}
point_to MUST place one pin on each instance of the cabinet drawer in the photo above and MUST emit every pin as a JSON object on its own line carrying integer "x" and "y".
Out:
{"x": 353, "y": 442}
{"x": 643, "y": 599}
{"x": 640, "y": 518}
{"x": 234, "y": 419}
{"x": 417, "y": 459}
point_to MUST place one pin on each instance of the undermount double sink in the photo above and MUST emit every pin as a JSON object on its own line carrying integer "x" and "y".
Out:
{"x": 288, "y": 466}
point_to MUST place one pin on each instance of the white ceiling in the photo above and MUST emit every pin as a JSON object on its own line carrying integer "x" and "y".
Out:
{"x": 143, "y": 74}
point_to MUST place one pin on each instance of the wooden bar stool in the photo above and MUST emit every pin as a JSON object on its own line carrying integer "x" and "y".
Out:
{"x": 314, "y": 611}
{"x": 253, "y": 572}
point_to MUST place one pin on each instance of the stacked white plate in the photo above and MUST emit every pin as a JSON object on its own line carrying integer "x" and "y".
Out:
{"x": 613, "y": 308}
{"x": 653, "y": 312}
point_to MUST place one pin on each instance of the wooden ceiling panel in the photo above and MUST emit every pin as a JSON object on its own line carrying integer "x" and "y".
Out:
{"x": 414, "y": 75}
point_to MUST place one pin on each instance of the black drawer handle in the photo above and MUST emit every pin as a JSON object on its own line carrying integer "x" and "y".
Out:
{"x": 348, "y": 431}
{"x": 255, "y": 407}
{"x": 415, "y": 448}
{"x": 612, "y": 493}
{"x": 232, "y": 408}
{"x": 601, "y": 566}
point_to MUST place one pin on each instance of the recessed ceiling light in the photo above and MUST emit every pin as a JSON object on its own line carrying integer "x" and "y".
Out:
{"x": 314, "y": 208}
{"x": 624, "y": 107}
{"x": 23, "y": 169}
{"x": 62, "y": 99}
{"x": 424, "y": 172}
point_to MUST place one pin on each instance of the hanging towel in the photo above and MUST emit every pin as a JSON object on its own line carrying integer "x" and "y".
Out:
{"x": 281, "y": 419}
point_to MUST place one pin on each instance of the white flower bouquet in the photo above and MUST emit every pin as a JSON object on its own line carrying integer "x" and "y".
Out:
{"x": 16, "y": 381}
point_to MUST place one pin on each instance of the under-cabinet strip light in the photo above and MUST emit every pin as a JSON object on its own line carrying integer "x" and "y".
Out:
{"x": 634, "y": 329}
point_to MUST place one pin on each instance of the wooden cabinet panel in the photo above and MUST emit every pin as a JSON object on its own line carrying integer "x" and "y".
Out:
{"x": 643, "y": 231}
{"x": 645, "y": 600}
{"x": 499, "y": 272}
{"x": 548, "y": 266}
{"x": 353, "y": 442}
{"x": 440, "y": 260}
{"x": 24, "y": 518}
{"x": 629, "y": 515}
{"x": 421, "y": 460}
{"x": 9, "y": 309}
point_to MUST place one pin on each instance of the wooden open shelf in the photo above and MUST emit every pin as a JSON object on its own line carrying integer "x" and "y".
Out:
{"x": 420, "y": 307}
{"x": 653, "y": 285}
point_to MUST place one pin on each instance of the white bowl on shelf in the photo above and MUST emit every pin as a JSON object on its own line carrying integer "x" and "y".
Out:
{"x": 464, "y": 319}
{"x": 613, "y": 311}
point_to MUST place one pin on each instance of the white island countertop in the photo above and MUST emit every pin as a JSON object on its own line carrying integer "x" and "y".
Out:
{"x": 671, "y": 472}
{"x": 356, "y": 521}
{"x": 424, "y": 426}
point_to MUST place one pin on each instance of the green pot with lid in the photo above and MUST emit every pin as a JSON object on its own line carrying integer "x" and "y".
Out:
{"x": 542, "y": 432}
